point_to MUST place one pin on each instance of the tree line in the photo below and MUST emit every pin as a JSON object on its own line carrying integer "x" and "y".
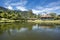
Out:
{"x": 17, "y": 14}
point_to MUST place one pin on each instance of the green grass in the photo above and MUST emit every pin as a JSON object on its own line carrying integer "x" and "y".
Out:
{"x": 33, "y": 21}
{"x": 45, "y": 21}
{"x": 6, "y": 20}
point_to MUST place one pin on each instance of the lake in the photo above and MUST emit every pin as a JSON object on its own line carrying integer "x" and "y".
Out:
{"x": 29, "y": 31}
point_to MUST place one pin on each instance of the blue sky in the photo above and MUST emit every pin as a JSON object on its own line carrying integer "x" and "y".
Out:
{"x": 37, "y": 6}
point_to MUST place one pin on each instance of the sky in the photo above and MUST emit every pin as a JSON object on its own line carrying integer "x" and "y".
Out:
{"x": 37, "y": 6}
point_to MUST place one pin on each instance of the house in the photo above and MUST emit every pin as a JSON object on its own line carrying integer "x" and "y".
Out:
{"x": 46, "y": 17}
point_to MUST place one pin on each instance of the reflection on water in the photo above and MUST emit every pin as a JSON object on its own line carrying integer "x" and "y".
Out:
{"x": 29, "y": 31}
{"x": 46, "y": 28}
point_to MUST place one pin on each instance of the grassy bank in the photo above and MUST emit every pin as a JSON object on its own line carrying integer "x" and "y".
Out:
{"x": 33, "y": 21}
{"x": 6, "y": 20}
{"x": 45, "y": 21}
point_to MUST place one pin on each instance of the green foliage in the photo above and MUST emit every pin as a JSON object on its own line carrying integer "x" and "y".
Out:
{"x": 57, "y": 17}
{"x": 52, "y": 14}
{"x": 16, "y": 14}
{"x": 39, "y": 15}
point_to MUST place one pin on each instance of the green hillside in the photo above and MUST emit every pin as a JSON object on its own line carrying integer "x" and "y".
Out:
{"x": 16, "y": 14}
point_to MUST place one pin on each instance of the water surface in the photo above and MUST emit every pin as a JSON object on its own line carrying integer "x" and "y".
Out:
{"x": 29, "y": 31}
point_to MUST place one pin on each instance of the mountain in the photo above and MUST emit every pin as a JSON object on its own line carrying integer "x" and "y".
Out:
{"x": 3, "y": 9}
{"x": 16, "y": 14}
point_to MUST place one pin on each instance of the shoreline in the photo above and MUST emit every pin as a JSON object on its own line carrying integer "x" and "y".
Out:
{"x": 33, "y": 21}
{"x": 45, "y": 21}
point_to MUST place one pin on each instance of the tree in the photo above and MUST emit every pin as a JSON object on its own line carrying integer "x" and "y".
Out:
{"x": 30, "y": 14}
{"x": 58, "y": 17}
{"x": 39, "y": 15}
{"x": 52, "y": 14}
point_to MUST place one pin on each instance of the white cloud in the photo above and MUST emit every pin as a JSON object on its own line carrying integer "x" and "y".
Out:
{"x": 10, "y": 7}
{"x": 21, "y": 8}
{"x": 36, "y": 11}
{"x": 12, "y": 3}
{"x": 51, "y": 7}
{"x": 53, "y": 4}
{"x": 42, "y": 10}
{"x": 39, "y": 7}
{"x": 19, "y": 5}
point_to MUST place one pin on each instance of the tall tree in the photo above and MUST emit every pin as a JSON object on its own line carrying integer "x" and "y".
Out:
{"x": 52, "y": 14}
{"x": 30, "y": 13}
